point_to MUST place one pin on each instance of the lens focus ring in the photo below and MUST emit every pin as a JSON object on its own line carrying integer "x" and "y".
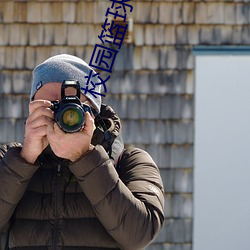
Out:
{"x": 70, "y": 117}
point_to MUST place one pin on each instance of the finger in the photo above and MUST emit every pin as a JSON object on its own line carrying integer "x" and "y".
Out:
{"x": 38, "y": 103}
{"x": 41, "y": 111}
{"x": 50, "y": 130}
{"x": 54, "y": 133}
{"x": 89, "y": 124}
{"x": 37, "y": 132}
{"x": 58, "y": 131}
{"x": 38, "y": 122}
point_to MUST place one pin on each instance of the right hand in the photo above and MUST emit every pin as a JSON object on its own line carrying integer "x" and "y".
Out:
{"x": 35, "y": 141}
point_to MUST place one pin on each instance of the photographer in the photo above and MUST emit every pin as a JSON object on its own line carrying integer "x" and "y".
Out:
{"x": 76, "y": 189}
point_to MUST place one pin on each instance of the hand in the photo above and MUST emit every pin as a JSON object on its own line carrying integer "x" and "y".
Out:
{"x": 71, "y": 146}
{"x": 35, "y": 141}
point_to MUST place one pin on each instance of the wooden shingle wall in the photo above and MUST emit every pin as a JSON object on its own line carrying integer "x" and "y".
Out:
{"x": 151, "y": 87}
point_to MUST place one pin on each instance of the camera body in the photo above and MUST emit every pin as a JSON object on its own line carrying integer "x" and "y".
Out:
{"x": 70, "y": 112}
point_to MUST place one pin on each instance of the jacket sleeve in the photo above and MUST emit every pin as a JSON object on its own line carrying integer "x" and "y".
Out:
{"x": 15, "y": 174}
{"x": 128, "y": 204}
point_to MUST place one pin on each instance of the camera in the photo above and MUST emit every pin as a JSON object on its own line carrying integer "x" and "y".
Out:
{"x": 70, "y": 112}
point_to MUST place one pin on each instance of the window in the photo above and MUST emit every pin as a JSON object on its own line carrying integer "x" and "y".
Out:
{"x": 222, "y": 149}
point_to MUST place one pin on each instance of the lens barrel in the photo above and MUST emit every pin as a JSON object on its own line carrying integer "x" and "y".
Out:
{"x": 70, "y": 117}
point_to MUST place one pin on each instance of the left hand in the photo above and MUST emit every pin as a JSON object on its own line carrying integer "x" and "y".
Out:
{"x": 71, "y": 146}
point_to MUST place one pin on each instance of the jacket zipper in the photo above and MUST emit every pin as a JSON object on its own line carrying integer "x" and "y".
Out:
{"x": 56, "y": 232}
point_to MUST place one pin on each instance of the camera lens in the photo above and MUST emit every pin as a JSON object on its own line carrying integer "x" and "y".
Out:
{"x": 70, "y": 117}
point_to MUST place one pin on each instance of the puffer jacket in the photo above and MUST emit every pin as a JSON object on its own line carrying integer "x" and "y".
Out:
{"x": 98, "y": 202}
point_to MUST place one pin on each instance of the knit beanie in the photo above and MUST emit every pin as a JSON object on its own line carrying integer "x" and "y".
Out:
{"x": 66, "y": 67}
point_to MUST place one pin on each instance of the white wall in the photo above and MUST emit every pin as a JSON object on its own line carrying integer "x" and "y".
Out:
{"x": 222, "y": 153}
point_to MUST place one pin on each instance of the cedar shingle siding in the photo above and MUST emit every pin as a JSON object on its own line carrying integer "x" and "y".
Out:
{"x": 151, "y": 87}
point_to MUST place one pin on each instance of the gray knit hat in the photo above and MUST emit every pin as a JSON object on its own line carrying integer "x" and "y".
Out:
{"x": 66, "y": 67}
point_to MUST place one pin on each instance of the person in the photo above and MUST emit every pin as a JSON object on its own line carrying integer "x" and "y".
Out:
{"x": 81, "y": 190}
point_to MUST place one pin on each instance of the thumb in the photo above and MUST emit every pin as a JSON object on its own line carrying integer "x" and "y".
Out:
{"x": 50, "y": 129}
{"x": 89, "y": 124}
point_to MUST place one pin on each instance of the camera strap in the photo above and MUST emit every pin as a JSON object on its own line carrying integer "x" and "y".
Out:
{"x": 106, "y": 133}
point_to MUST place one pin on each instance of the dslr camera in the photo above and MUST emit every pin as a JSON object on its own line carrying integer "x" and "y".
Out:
{"x": 70, "y": 112}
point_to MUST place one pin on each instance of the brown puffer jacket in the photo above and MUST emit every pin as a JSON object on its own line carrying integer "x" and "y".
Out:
{"x": 94, "y": 203}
